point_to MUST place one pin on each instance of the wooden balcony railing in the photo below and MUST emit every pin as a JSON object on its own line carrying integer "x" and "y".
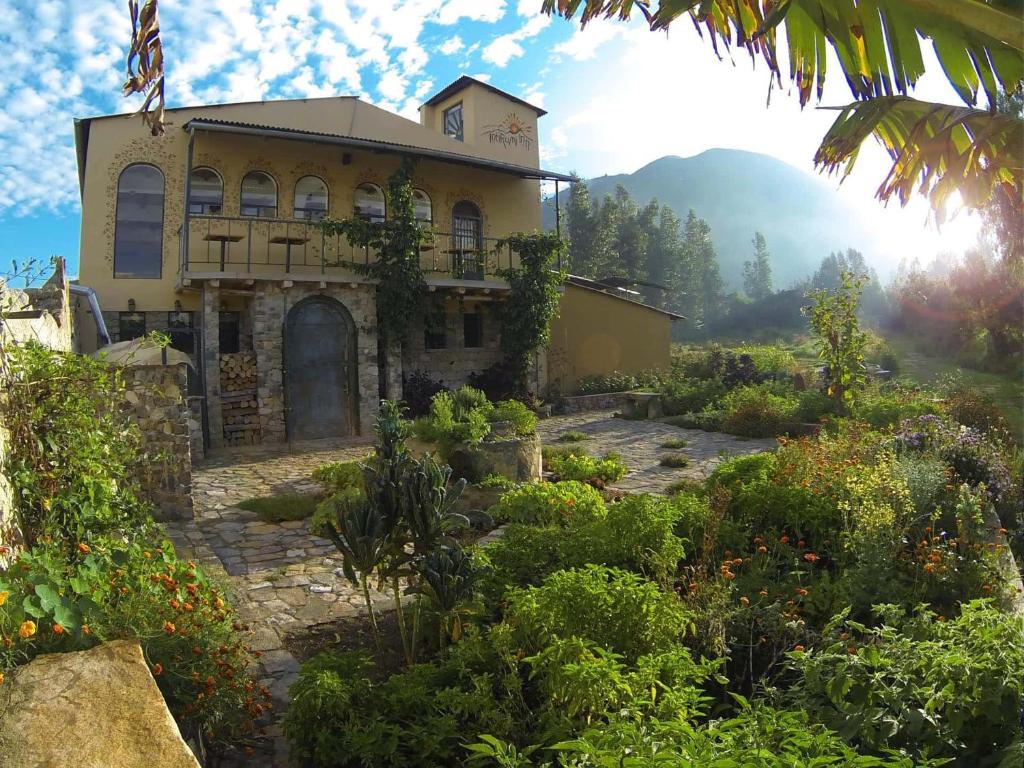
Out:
{"x": 239, "y": 244}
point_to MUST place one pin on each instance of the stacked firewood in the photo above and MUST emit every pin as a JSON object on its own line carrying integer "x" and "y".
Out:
{"x": 238, "y": 403}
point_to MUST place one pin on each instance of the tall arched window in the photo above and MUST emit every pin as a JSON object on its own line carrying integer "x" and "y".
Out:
{"x": 139, "y": 230}
{"x": 467, "y": 226}
{"x": 369, "y": 202}
{"x": 310, "y": 198}
{"x": 206, "y": 192}
{"x": 422, "y": 208}
{"x": 259, "y": 195}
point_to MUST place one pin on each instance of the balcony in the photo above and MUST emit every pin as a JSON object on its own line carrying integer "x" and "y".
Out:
{"x": 263, "y": 248}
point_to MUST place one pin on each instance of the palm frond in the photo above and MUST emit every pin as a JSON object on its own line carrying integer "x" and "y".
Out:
{"x": 936, "y": 149}
{"x": 878, "y": 42}
{"x": 145, "y": 63}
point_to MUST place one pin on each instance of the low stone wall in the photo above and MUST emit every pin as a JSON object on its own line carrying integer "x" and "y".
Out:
{"x": 155, "y": 399}
{"x": 605, "y": 401}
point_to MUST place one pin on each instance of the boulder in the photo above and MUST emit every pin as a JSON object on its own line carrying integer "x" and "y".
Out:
{"x": 99, "y": 708}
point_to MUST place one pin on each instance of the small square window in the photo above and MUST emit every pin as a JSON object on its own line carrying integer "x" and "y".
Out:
{"x": 179, "y": 328}
{"x": 229, "y": 324}
{"x": 473, "y": 329}
{"x": 453, "y": 122}
{"x": 131, "y": 325}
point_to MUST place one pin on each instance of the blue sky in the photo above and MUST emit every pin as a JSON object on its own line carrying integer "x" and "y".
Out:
{"x": 618, "y": 95}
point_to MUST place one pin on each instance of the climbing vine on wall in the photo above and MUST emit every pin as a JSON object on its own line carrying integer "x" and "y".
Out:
{"x": 533, "y": 299}
{"x": 396, "y": 241}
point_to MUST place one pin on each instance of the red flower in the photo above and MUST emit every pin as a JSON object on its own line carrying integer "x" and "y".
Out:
{"x": 157, "y": 669}
{"x": 58, "y": 629}
{"x": 810, "y": 557}
{"x": 83, "y": 547}
{"x": 169, "y": 628}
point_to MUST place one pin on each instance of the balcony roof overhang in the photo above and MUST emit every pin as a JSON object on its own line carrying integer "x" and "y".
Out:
{"x": 371, "y": 145}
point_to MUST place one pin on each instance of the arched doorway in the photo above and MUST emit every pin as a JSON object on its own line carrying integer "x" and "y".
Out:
{"x": 320, "y": 370}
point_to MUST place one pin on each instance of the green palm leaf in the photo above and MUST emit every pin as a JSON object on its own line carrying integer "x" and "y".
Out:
{"x": 935, "y": 148}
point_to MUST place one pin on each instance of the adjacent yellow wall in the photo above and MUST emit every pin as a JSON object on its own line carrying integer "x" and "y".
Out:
{"x": 596, "y": 333}
{"x": 508, "y": 203}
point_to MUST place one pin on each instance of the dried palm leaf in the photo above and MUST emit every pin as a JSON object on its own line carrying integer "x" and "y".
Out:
{"x": 145, "y": 64}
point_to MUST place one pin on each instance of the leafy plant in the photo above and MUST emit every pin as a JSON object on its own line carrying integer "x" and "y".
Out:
{"x": 522, "y": 419}
{"x": 674, "y": 444}
{"x": 573, "y": 436}
{"x": 550, "y": 503}
{"x": 418, "y": 390}
{"x": 583, "y": 468}
{"x": 833, "y": 318}
{"x": 617, "y": 610}
{"x": 599, "y": 384}
{"x": 758, "y": 411}
{"x": 340, "y": 475}
{"x": 934, "y": 688}
{"x": 286, "y": 506}
{"x": 674, "y": 460}
{"x": 448, "y": 575}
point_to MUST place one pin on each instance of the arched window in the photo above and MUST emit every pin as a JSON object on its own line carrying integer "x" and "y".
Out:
{"x": 310, "y": 198}
{"x": 259, "y": 195}
{"x": 139, "y": 230}
{"x": 467, "y": 226}
{"x": 369, "y": 202}
{"x": 206, "y": 192}
{"x": 467, "y": 241}
{"x": 422, "y": 208}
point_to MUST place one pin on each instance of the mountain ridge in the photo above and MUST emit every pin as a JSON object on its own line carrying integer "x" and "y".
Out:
{"x": 739, "y": 192}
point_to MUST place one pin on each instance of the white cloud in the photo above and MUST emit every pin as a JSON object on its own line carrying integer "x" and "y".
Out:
{"x": 583, "y": 43}
{"x": 451, "y": 45}
{"x": 507, "y": 47}
{"x": 392, "y": 85}
{"x": 474, "y": 10}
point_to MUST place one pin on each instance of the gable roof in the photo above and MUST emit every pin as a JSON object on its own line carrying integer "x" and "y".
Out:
{"x": 465, "y": 81}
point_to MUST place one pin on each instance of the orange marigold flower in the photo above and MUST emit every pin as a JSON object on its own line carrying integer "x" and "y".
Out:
{"x": 27, "y": 629}
{"x": 738, "y": 561}
{"x": 58, "y": 629}
{"x": 147, "y": 554}
{"x": 941, "y": 618}
{"x": 852, "y": 650}
{"x": 929, "y": 568}
{"x": 802, "y": 592}
{"x": 83, "y": 548}
{"x": 763, "y": 593}
{"x": 745, "y": 600}
{"x": 762, "y": 549}
{"x": 784, "y": 540}
{"x": 175, "y": 604}
{"x": 188, "y": 607}
{"x": 86, "y": 630}
{"x": 1, "y": 678}
{"x": 810, "y": 557}
{"x": 729, "y": 575}
{"x": 693, "y": 587}
{"x": 4, "y": 550}
{"x": 1002, "y": 531}
{"x": 168, "y": 628}
{"x": 157, "y": 669}
{"x": 798, "y": 648}
{"x": 219, "y": 604}
{"x": 986, "y": 587}
{"x": 3, "y": 597}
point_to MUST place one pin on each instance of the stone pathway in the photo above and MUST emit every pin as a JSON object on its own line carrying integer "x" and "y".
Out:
{"x": 639, "y": 444}
{"x": 283, "y": 579}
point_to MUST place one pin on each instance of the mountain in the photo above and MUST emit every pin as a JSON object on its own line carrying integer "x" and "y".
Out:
{"x": 737, "y": 193}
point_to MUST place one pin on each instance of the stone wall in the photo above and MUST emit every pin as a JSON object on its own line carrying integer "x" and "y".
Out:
{"x": 270, "y": 305}
{"x": 582, "y": 403}
{"x": 156, "y": 400}
{"x": 453, "y": 364}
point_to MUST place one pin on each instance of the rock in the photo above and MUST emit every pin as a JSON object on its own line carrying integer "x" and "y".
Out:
{"x": 99, "y": 708}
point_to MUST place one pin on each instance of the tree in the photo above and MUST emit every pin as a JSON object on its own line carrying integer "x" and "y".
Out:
{"x": 757, "y": 274}
{"x": 664, "y": 258}
{"x": 699, "y": 278}
{"x": 581, "y": 229}
{"x": 935, "y": 148}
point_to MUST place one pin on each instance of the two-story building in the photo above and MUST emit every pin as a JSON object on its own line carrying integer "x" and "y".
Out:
{"x": 210, "y": 233}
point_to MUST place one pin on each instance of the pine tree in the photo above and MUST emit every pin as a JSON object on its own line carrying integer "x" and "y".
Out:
{"x": 581, "y": 230}
{"x": 757, "y": 274}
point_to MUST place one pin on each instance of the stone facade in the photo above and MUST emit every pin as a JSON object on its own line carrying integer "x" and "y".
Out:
{"x": 453, "y": 364}
{"x": 269, "y": 309}
{"x": 155, "y": 399}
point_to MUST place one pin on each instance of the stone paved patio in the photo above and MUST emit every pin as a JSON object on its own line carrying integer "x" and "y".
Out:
{"x": 283, "y": 579}
{"x": 639, "y": 444}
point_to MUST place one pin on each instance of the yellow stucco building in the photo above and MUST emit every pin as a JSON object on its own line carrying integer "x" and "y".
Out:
{"x": 210, "y": 233}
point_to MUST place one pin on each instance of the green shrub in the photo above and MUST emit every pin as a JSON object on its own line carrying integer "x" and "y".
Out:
{"x": 974, "y": 409}
{"x": 690, "y": 395}
{"x": 339, "y": 475}
{"x": 522, "y": 419}
{"x": 283, "y": 507}
{"x": 674, "y": 444}
{"x": 615, "y": 609}
{"x": 550, "y": 504}
{"x": 498, "y": 481}
{"x": 573, "y": 436}
{"x": 814, "y": 405}
{"x": 638, "y": 533}
{"x": 757, "y": 411}
{"x": 926, "y": 478}
{"x": 339, "y": 717}
{"x": 450, "y": 422}
{"x": 571, "y": 466}
{"x": 598, "y": 384}
{"x": 935, "y": 688}
{"x": 769, "y": 358}
{"x": 707, "y": 421}
{"x": 467, "y": 399}
{"x": 888, "y": 407}
{"x": 674, "y": 460}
